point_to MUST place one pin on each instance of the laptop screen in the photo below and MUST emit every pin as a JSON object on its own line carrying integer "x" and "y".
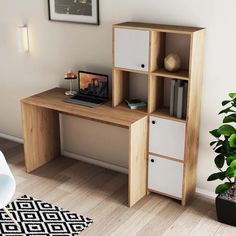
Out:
{"x": 93, "y": 84}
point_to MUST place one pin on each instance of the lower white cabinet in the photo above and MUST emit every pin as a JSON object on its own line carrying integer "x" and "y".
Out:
{"x": 165, "y": 176}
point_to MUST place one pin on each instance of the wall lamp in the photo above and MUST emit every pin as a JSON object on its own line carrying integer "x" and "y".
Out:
{"x": 23, "y": 39}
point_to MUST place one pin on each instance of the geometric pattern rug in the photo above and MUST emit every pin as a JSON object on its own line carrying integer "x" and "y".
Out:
{"x": 38, "y": 218}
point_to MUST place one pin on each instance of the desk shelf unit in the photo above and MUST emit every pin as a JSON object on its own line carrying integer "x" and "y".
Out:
{"x": 140, "y": 48}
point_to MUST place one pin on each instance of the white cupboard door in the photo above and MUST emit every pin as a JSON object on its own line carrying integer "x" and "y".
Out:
{"x": 131, "y": 49}
{"x": 165, "y": 176}
{"x": 167, "y": 137}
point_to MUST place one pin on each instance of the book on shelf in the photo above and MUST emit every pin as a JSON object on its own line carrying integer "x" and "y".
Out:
{"x": 178, "y": 83}
{"x": 178, "y": 98}
{"x": 172, "y": 96}
{"x": 180, "y": 102}
{"x": 135, "y": 104}
{"x": 185, "y": 99}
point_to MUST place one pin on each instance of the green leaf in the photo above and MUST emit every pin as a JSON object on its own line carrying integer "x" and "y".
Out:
{"x": 232, "y": 95}
{"x": 233, "y": 164}
{"x": 215, "y": 133}
{"x": 230, "y": 158}
{"x": 212, "y": 143}
{"x": 219, "y": 161}
{"x": 230, "y": 118}
{"x": 225, "y": 102}
{"x": 219, "y": 150}
{"x": 222, "y": 176}
{"x": 220, "y": 142}
{"x": 226, "y": 147}
{"x": 216, "y": 143}
{"x": 223, "y": 188}
{"x": 229, "y": 172}
{"x": 226, "y": 130}
{"x": 232, "y": 140}
{"x": 219, "y": 175}
{"x": 227, "y": 110}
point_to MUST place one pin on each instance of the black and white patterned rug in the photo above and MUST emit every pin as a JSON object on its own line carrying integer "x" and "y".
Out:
{"x": 37, "y": 218}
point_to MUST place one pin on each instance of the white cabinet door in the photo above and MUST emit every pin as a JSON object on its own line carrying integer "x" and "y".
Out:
{"x": 131, "y": 49}
{"x": 165, "y": 176}
{"x": 167, "y": 137}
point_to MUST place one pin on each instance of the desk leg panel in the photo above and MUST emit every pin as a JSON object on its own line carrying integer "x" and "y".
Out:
{"x": 41, "y": 135}
{"x": 137, "y": 161}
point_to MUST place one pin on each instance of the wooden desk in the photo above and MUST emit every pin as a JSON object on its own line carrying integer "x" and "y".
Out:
{"x": 40, "y": 115}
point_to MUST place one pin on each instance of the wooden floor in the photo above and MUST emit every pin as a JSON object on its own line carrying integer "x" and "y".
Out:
{"x": 102, "y": 195}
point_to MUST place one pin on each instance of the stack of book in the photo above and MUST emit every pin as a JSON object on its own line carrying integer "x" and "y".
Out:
{"x": 135, "y": 104}
{"x": 178, "y": 98}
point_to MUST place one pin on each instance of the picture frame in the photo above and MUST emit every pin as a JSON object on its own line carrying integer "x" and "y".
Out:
{"x": 74, "y": 11}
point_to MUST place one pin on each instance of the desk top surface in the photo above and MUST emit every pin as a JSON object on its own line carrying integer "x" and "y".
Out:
{"x": 54, "y": 99}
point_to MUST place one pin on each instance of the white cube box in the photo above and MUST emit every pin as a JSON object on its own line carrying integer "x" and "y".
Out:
{"x": 165, "y": 176}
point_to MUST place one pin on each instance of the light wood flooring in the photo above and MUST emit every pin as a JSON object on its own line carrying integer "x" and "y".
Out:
{"x": 102, "y": 195}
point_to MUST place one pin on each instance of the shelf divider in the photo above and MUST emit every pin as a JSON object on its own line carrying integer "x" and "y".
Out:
{"x": 163, "y": 112}
{"x": 182, "y": 74}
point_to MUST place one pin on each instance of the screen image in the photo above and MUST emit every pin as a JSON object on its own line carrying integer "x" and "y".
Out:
{"x": 93, "y": 84}
{"x": 74, "y": 7}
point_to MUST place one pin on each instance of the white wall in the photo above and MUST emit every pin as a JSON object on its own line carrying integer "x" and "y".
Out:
{"x": 55, "y": 47}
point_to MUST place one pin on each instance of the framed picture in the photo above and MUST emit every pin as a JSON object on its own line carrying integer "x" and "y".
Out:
{"x": 76, "y": 11}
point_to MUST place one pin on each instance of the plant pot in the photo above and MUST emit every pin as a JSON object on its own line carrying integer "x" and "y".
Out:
{"x": 226, "y": 208}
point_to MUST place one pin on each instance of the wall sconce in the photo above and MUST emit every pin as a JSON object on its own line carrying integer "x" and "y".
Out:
{"x": 23, "y": 39}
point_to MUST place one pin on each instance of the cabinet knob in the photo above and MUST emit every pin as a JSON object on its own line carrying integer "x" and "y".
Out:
{"x": 152, "y": 160}
{"x": 142, "y": 65}
{"x": 154, "y": 122}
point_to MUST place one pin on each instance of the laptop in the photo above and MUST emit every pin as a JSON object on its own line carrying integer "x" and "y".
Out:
{"x": 93, "y": 89}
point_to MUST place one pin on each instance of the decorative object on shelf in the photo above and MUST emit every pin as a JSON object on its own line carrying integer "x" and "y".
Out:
{"x": 225, "y": 149}
{"x": 76, "y": 11}
{"x": 134, "y": 104}
{"x": 70, "y": 76}
{"x": 172, "y": 62}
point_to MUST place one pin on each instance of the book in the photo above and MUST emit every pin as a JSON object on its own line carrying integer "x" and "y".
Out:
{"x": 185, "y": 98}
{"x": 180, "y": 102}
{"x": 178, "y": 83}
{"x": 135, "y": 104}
{"x": 172, "y": 96}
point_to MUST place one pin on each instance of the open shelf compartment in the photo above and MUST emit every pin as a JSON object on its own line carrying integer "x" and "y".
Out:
{"x": 161, "y": 91}
{"x": 129, "y": 85}
{"x": 162, "y": 44}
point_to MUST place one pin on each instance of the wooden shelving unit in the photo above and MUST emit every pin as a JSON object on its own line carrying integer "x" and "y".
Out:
{"x": 141, "y": 48}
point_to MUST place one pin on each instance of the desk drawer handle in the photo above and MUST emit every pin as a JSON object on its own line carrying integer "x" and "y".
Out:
{"x": 152, "y": 160}
{"x": 142, "y": 65}
{"x": 154, "y": 122}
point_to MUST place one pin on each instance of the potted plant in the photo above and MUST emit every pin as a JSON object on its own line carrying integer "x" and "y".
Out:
{"x": 225, "y": 160}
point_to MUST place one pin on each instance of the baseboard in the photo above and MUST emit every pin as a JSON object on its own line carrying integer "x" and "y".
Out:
{"x": 199, "y": 191}
{"x": 95, "y": 162}
{"x": 11, "y": 138}
{"x": 205, "y": 193}
{"x": 74, "y": 156}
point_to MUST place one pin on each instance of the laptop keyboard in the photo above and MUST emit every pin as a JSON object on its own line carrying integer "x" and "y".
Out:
{"x": 87, "y": 99}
